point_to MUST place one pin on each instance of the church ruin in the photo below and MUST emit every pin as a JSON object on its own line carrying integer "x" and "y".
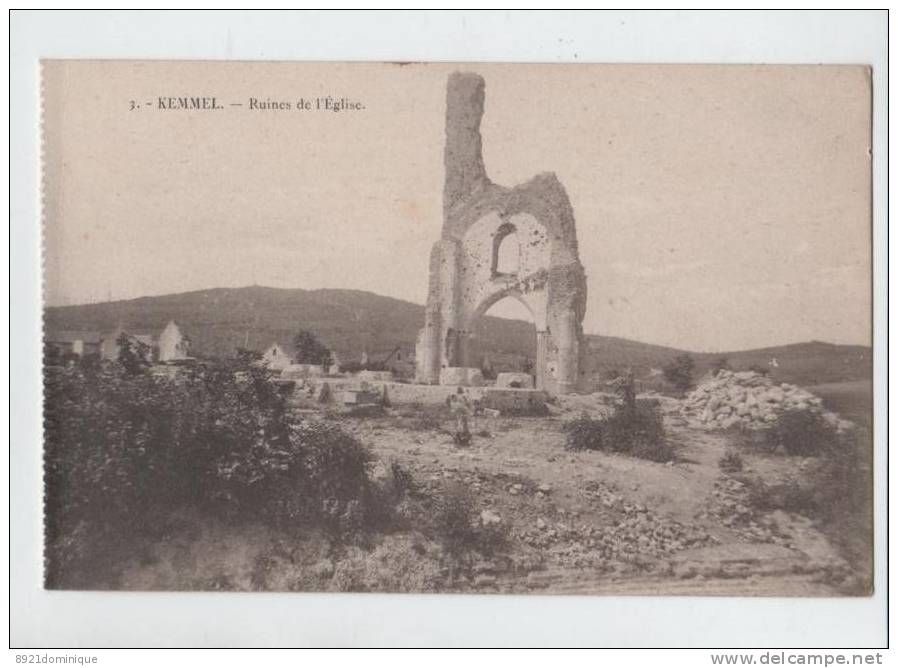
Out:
{"x": 467, "y": 275}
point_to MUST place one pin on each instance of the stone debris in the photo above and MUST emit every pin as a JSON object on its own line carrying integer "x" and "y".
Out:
{"x": 633, "y": 536}
{"x": 488, "y": 517}
{"x": 746, "y": 399}
{"x": 484, "y": 581}
{"x": 729, "y": 506}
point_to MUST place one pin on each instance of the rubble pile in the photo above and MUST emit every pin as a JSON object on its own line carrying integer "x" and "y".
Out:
{"x": 632, "y": 534}
{"x": 745, "y": 398}
{"x": 729, "y": 505}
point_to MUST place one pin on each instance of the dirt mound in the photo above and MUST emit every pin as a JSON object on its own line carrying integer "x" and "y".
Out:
{"x": 744, "y": 398}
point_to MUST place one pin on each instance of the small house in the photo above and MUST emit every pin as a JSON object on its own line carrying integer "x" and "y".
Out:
{"x": 74, "y": 342}
{"x": 276, "y": 357}
{"x": 143, "y": 344}
{"x": 173, "y": 344}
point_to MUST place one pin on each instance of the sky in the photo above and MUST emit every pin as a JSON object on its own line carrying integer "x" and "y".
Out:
{"x": 717, "y": 207}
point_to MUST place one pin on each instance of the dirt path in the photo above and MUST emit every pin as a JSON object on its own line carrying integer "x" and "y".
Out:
{"x": 606, "y": 523}
{"x": 578, "y": 523}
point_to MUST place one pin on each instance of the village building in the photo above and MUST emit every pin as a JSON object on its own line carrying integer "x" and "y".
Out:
{"x": 142, "y": 344}
{"x": 173, "y": 344}
{"x": 73, "y": 342}
{"x": 334, "y": 369}
{"x": 276, "y": 357}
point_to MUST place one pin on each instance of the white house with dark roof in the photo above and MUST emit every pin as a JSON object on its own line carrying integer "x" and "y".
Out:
{"x": 276, "y": 357}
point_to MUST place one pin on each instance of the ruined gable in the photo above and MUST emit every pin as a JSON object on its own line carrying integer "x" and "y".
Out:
{"x": 466, "y": 277}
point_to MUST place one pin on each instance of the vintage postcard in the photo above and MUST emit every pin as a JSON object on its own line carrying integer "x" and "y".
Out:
{"x": 462, "y": 328}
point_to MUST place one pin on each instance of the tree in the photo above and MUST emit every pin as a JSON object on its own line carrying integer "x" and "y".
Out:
{"x": 247, "y": 356}
{"x": 720, "y": 364}
{"x": 132, "y": 354}
{"x": 51, "y": 354}
{"x": 309, "y": 350}
{"x": 679, "y": 371}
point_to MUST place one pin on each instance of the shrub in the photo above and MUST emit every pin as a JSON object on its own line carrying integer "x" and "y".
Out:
{"x": 457, "y": 525}
{"x": 246, "y": 355}
{"x": 133, "y": 354}
{"x": 720, "y": 364}
{"x": 636, "y": 430}
{"x": 837, "y": 481}
{"x": 124, "y": 450}
{"x": 354, "y": 366}
{"x": 316, "y": 475}
{"x": 801, "y": 432}
{"x": 731, "y": 462}
{"x": 789, "y": 495}
{"x": 679, "y": 371}
{"x": 584, "y": 433}
{"x": 402, "y": 482}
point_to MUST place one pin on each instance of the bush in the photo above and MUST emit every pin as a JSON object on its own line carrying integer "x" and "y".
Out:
{"x": 124, "y": 450}
{"x": 679, "y": 372}
{"x": 801, "y": 432}
{"x": 789, "y": 495}
{"x": 720, "y": 364}
{"x": 731, "y": 462}
{"x": 457, "y": 525}
{"x": 636, "y": 431}
{"x": 355, "y": 366}
{"x": 133, "y": 355}
{"x": 584, "y": 433}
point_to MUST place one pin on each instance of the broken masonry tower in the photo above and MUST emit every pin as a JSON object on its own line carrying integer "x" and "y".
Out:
{"x": 466, "y": 277}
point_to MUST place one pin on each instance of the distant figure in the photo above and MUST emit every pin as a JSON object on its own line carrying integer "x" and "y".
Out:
{"x": 773, "y": 363}
{"x": 460, "y": 408}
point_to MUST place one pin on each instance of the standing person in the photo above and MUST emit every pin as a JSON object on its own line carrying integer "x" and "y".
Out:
{"x": 460, "y": 408}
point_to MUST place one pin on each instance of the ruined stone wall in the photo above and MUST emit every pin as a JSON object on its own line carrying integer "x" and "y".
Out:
{"x": 464, "y": 281}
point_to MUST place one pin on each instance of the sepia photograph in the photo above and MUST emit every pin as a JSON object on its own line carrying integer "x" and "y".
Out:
{"x": 457, "y": 328}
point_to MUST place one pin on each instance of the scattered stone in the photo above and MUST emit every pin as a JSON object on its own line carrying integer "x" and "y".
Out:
{"x": 324, "y": 569}
{"x": 488, "y": 517}
{"x": 484, "y": 581}
{"x": 482, "y": 567}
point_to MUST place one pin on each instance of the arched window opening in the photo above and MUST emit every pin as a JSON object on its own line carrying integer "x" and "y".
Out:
{"x": 506, "y": 251}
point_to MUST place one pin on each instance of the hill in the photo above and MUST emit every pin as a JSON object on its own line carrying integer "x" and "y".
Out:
{"x": 799, "y": 363}
{"x": 350, "y": 321}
